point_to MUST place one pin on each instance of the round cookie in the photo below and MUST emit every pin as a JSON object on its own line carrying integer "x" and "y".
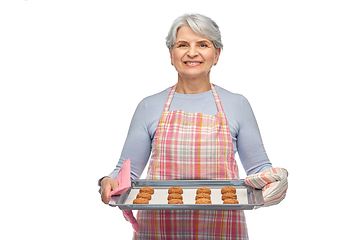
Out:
{"x": 175, "y": 190}
{"x": 175, "y": 196}
{"x": 175, "y": 201}
{"x": 228, "y": 190}
{"x": 203, "y": 190}
{"x": 140, "y": 201}
{"x": 202, "y": 195}
{"x": 147, "y": 190}
{"x": 230, "y": 201}
{"x": 203, "y": 201}
{"x": 229, "y": 195}
{"x": 144, "y": 195}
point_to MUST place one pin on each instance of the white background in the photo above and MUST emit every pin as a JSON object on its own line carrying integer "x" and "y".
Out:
{"x": 73, "y": 71}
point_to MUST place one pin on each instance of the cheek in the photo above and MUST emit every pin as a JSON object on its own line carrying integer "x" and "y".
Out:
{"x": 209, "y": 56}
{"x": 212, "y": 56}
{"x": 177, "y": 56}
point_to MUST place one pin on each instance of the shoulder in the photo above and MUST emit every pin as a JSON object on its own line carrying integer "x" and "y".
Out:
{"x": 157, "y": 99}
{"x": 236, "y": 107}
{"x": 153, "y": 103}
{"x": 230, "y": 98}
{"x": 150, "y": 108}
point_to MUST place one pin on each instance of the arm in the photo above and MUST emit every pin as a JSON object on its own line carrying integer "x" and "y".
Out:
{"x": 137, "y": 147}
{"x": 249, "y": 143}
{"x": 272, "y": 181}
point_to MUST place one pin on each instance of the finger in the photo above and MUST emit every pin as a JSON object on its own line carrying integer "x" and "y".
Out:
{"x": 105, "y": 193}
{"x": 108, "y": 186}
{"x": 114, "y": 184}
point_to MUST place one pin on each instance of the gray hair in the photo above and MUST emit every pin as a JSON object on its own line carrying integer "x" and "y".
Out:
{"x": 200, "y": 24}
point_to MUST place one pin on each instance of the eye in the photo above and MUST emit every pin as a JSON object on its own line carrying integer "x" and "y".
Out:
{"x": 182, "y": 45}
{"x": 204, "y": 44}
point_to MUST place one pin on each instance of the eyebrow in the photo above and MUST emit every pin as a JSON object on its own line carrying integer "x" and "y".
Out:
{"x": 200, "y": 41}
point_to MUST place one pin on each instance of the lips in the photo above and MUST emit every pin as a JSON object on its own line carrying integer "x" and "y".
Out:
{"x": 192, "y": 63}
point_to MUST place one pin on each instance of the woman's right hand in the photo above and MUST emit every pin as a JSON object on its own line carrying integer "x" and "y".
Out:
{"x": 107, "y": 185}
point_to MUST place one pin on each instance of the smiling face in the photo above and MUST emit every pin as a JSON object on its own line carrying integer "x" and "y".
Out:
{"x": 193, "y": 55}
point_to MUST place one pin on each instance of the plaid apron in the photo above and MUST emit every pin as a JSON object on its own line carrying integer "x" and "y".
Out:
{"x": 192, "y": 146}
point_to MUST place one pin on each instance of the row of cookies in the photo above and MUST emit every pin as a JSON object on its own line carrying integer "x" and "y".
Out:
{"x": 175, "y": 195}
{"x": 203, "y": 196}
{"x": 229, "y": 195}
{"x": 144, "y": 195}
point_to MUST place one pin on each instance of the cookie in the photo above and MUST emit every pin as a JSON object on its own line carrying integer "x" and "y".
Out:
{"x": 140, "y": 201}
{"x": 230, "y": 201}
{"x": 203, "y": 201}
{"x": 175, "y": 201}
{"x": 203, "y": 190}
{"x": 175, "y": 190}
{"x": 175, "y": 196}
{"x": 147, "y": 190}
{"x": 229, "y": 195}
{"x": 228, "y": 190}
{"x": 202, "y": 195}
{"x": 144, "y": 195}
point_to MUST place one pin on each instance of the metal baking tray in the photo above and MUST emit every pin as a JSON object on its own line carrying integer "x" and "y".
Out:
{"x": 247, "y": 196}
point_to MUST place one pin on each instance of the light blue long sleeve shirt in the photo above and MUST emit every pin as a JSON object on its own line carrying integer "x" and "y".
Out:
{"x": 241, "y": 120}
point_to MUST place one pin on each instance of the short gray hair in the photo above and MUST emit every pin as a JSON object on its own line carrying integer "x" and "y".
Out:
{"x": 200, "y": 24}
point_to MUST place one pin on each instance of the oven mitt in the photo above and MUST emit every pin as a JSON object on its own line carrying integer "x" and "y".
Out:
{"x": 273, "y": 182}
{"x": 128, "y": 215}
{"x": 123, "y": 179}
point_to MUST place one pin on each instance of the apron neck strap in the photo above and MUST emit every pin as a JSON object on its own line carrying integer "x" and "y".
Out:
{"x": 216, "y": 97}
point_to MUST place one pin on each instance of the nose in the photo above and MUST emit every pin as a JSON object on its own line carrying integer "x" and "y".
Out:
{"x": 192, "y": 51}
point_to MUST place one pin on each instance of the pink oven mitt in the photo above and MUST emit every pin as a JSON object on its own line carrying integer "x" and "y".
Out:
{"x": 273, "y": 182}
{"x": 123, "y": 179}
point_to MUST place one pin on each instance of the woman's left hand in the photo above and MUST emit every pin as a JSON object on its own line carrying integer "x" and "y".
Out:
{"x": 273, "y": 182}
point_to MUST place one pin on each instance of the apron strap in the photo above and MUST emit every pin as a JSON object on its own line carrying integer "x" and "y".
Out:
{"x": 215, "y": 94}
{"x": 170, "y": 97}
{"x": 217, "y": 99}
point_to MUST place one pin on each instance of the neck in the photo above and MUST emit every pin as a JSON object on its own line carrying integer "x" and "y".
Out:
{"x": 192, "y": 86}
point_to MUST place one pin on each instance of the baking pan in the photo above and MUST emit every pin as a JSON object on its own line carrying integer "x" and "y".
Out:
{"x": 247, "y": 196}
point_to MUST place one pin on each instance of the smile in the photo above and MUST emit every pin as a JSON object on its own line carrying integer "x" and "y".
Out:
{"x": 192, "y": 63}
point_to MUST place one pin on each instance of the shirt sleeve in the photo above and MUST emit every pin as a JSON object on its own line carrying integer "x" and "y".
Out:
{"x": 249, "y": 143}
{"x": 137, "y": 146}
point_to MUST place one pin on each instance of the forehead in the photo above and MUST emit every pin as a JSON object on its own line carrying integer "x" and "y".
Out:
{"x": 185, "y": 33}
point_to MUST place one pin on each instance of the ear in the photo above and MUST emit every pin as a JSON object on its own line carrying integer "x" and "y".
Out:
{"x": 171, "y": 56}
{"x": 217, "y": 55}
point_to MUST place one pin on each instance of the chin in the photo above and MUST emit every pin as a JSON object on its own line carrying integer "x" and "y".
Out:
{"x": 190, "y": 75}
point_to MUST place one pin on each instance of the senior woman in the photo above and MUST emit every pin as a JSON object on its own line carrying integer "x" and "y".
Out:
{"x": 192, "y": 130}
